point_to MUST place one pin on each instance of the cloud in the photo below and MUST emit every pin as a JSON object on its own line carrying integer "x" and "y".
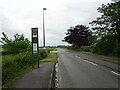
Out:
{"x": 7, "y": 26}
{"x": 19, "y": 16}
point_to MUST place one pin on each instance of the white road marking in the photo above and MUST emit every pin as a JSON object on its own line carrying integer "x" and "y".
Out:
{"x": 115, "y": 73}
{"x": 56, "y": 65}
{"x": 91, "y": 62}
{"x": 56, "y": 76}
{"x": 77, "y": 56}
{"x": 88, "y": 61}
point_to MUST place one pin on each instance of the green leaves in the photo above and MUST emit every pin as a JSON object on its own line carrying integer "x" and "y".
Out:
{"x": 17, "y": 45}
{"x": 77, "y": 36}
{"x": 106, "y": 29}
{"x": 109, "y": 21}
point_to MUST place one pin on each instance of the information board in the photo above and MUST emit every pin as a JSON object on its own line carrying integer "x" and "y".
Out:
{"x": 34, "y": 40}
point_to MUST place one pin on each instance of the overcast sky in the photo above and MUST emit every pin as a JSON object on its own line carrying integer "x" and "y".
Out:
{"x": 19, "y": 16}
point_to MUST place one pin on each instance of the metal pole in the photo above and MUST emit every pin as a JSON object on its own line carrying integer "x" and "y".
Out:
{"x": 38, "y": 49}
{"x": 43, "y": 29}
{"x": 32, "y": 51}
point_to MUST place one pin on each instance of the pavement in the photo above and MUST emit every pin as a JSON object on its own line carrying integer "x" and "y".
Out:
{"x": 79, "y": 70}
{"x": 37, "y": 78}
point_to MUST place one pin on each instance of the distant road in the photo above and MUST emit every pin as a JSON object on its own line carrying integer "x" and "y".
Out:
{"x": 80, "y": 70}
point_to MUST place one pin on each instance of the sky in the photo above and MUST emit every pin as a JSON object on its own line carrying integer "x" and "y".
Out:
{"x": 19, "y": 16}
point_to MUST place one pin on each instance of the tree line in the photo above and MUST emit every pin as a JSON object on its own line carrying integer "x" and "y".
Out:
{"x": 103, "y": 35}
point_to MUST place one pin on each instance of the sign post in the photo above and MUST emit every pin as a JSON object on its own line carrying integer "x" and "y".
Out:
{"x": 35, "y": 50}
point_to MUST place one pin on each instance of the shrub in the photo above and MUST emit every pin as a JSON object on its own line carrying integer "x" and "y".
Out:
{"x": 12, "y": 65}
{"x": 42, "y": 53}
{"x": 71, "y": 47}
{"x": 85, "y": 48}
{"x": 17, "y": 45}
{"x": 15, "y": 64}
{"x": 108, "y": 45}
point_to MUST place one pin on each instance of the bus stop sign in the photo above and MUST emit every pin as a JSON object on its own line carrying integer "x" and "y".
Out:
{"x": 34, "y": 40}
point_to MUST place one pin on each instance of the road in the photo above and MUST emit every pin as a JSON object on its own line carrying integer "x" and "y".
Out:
{"x": 80, "y": 70}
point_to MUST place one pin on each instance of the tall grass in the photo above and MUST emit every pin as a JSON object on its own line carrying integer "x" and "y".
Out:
{"x": 51, "y": 49}
{"x": 85, "y": 48}
{"x": 16, "y": 64}
{"x": 52, "y": 57}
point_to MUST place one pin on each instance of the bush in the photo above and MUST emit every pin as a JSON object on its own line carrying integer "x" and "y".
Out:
{"x": 85, "y": 48}
{"x": 12, "y": 65}
{"x": 107, "y": 46}
{"x": 17, "y": 45}
{"x": 42, "y": 53}
{"x": 71, "y": 47}
{"x": 15, "y": 64}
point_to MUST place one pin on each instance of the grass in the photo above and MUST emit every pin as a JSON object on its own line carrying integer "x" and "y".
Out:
{"x": 17, "y": 76}
{"x": 0, "y": 60}
{"x": 112, "y": 57}
{"x": 1, "y": 49}
{"x": 48, "y": 49}
{"x": 8, "y": 58}
{"x": 11, "y": 69}
{"x": 52, "y": 57}
{"x": 16, "y": 65}
{"x": 108, "y": 56}
{"x": 51, "y": 49}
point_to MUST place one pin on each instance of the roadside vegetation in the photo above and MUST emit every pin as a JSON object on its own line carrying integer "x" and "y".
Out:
{"x": 103, "y": 35}
{"x": 17, "y": 57}
{"x": 51, "y": 57}
{"x": 1, "y": 49}
{"x": 15, "y": 65}
{"x": 51, "y": 49}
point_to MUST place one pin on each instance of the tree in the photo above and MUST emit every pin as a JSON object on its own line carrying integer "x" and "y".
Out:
{"x": 109, "y": 22}
{"x": 107, "y": 29}
{"x": 77, "y": 36}
{"x": 17, "y": 45}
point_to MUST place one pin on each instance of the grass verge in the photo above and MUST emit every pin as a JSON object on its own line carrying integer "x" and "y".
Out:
{"x": 18, "y": 75}
{"x": 52, "y": 57}
{"x": 108, "y": 56}
{"x": 1, "y": 49}
{"x": 13, "y": 66}
{"x": 112, "y": 57}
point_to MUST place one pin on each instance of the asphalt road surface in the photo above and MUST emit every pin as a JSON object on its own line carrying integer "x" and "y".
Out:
{"x": 80, "y": 70}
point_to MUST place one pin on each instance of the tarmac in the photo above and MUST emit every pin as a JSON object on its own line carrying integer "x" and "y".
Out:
{"x": 36, "y": 78}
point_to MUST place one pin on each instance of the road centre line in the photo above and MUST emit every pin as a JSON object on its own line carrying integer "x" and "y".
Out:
{"x": 77, "y": 56}
{"x": 88, "y": 61}
{"x": 97, "y": 65}
{"x": 91, "y": 63}
{"x": 115, "y": 73}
